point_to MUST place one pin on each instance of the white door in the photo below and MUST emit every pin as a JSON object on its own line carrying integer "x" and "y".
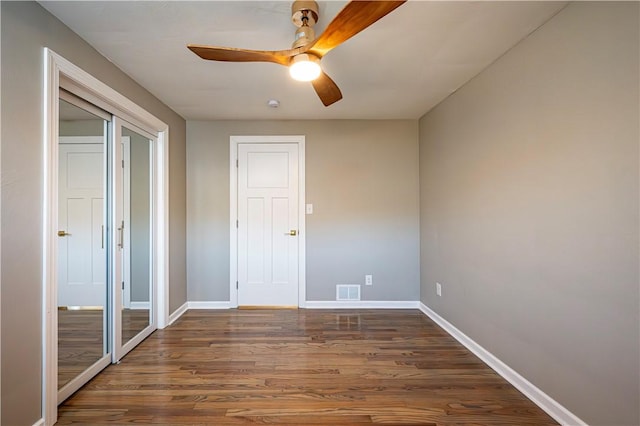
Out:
{"x": 82, "y": 256}
{"x": 268, "y": 224}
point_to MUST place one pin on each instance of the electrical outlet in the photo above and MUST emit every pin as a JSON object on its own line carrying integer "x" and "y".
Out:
{"x": 439, "y": 289}
{"x": 368, "y": 279}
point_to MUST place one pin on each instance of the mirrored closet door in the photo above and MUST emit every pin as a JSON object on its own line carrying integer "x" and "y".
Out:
{"x": 134, "y": 317}
{"x": 83, "y": 292}
{"x": 105, "y": 273}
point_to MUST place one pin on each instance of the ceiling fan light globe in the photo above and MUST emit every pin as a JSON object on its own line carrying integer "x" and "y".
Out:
{"x": 305, "y": 67}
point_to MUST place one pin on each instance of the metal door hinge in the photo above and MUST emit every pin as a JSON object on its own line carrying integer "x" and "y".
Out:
{"x": 123, "y": 285}
{"x": 236, "y": 285}
{"x": 237, "y": 224}
{"x": 237, "y": 162}
{"x": 123, "y": 164}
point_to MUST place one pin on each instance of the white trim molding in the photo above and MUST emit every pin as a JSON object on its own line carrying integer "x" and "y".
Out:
{"x": 139, "y": 305}
{"x": 178, "y": 313}
{"x": 210, "y": 305}
{"x": 531, "y": 391}
{"x": 308, "y": 305}
{"x": 39, "y": 423}
{"x": 197, "y": 305}
{"x": 49, "y": 253}
{"x": 361, "y": 304}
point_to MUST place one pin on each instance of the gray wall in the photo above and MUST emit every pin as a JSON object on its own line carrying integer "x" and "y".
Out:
{"x": 362, "y": 179}
{"x": 26, "y": 29}
{"x": 529, "y": 210}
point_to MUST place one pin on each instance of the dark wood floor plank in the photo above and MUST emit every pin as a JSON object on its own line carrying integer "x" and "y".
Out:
{"x": 304, "y": 367}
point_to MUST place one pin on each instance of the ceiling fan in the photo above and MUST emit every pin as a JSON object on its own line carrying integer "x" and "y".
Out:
{"x": 303, "y": 59}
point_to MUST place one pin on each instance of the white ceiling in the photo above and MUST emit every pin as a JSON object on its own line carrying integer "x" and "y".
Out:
{"x": 400, "y": 67}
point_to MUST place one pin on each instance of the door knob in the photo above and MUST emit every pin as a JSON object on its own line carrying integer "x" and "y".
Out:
{"x": 63, "y": 233}
{"x": 293, "y": 233}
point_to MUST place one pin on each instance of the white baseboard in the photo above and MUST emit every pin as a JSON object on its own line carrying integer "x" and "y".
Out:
{"x": 537, "y": 396}
{"x": 361, "y": 304}
{"x": 178, "y": 313}
{"x": 209, "y": 305}
{"x": 39, "y": 423}
{"x": 139, "y": 305}
{"x": 196, "y": 305}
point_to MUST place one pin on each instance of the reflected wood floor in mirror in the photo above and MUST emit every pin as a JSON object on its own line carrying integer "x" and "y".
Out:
{"x": 133, "y": 322}
{"x": 80, "y": 344}
{"x": 302, "y": 367}
{"x": 80, "y": 334}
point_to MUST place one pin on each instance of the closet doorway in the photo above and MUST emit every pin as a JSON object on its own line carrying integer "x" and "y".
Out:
{"x": 105, "y": 229}
{"x": 105, "y": 274}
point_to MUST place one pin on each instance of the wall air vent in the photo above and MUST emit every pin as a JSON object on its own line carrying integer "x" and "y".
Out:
{"x": 347, "y": 292}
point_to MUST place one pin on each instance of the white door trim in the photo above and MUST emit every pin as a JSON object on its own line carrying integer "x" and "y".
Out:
{"x": 98, "y": 140}
{"x": 55, "y": 68}
{"x": 126, "y": 187}
{"x": 233, "y": 211}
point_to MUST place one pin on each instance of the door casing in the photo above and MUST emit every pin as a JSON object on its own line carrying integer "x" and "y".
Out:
{"x": 233, "y": 211}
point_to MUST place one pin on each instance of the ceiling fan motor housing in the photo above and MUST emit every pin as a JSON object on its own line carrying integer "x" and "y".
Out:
{"x": 298, "y": 9}
{"x": 304, "y": 15}
{"x": 304, "y": 35}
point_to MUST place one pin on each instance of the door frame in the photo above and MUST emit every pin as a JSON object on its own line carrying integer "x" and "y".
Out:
{"x": 234, "y": 141}
{"x": 57, "y": 70}
{"x": 126, "y": 182}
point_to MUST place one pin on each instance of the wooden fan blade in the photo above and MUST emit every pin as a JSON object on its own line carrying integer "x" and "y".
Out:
{"x": 326, "y": 89}
{"x": 231, "y": 54}
{"x": 353, "y": 18}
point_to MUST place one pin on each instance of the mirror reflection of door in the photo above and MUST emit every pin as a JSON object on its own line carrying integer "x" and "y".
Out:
{"x": 136, "y": 262}
{"x": 82, "y": 251}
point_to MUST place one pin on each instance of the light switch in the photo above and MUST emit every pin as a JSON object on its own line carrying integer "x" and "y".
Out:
{"x": 309, "y": 208}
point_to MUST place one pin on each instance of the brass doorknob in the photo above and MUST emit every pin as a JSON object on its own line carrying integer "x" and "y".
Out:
{"x": 63, "y": 233}
{"x": 293, "y": 233}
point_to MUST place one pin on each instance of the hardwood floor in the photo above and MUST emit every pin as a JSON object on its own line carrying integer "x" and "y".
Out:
{"x": 302, "y": 367}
